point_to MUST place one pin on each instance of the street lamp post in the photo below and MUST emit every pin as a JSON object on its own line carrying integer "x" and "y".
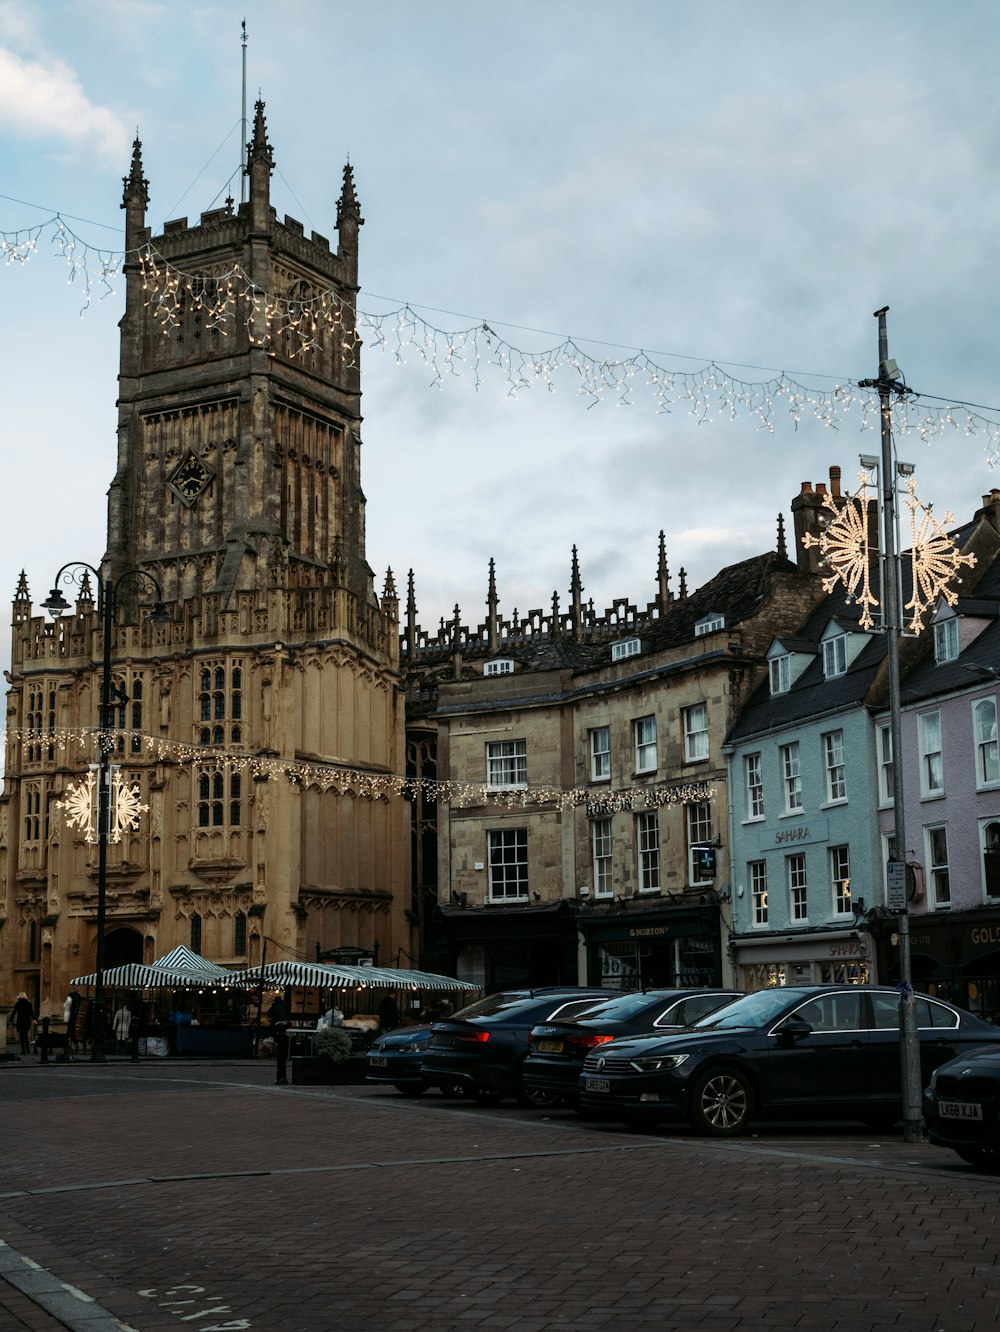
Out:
{"x": 56, "y": 604}
{"x": 889, "y": 386}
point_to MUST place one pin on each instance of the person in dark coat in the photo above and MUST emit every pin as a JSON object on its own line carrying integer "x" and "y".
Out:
{"x": 23, "y": 1015}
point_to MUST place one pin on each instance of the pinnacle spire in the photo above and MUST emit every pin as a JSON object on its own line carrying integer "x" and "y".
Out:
{"x": 136, "y": 186}
{"x": 258, "y": 149}
{"x": 782, "y": 548}
{"x": 347, "y": 204}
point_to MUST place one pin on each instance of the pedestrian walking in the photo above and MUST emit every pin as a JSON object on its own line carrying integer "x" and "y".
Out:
{"x": 23, "y": 1017}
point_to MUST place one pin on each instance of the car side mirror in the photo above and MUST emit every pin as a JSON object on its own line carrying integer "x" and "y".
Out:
{"x": 794, "y": 1028}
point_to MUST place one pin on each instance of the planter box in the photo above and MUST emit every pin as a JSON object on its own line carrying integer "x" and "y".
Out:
{"x": 312, "y": 1071}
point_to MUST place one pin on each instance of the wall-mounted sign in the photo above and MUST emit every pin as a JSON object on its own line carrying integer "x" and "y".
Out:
{"x": 801, "y": 832}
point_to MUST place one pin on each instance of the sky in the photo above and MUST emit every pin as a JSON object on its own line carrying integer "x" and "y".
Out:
{"x": 738, "y": 183}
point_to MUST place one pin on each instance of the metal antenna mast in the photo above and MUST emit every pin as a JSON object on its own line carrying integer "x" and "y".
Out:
{"x": 243, "y": 136}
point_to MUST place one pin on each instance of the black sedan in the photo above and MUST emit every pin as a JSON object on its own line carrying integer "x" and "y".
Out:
{"x": 782, "y": 1053}
{"x": 558, "y": 1048}
{"x": 962, "y": 1107}
{"x": 482, "y": 1047}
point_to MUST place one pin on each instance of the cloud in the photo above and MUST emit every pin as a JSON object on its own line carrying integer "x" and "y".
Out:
{"x": 45, "y": 100}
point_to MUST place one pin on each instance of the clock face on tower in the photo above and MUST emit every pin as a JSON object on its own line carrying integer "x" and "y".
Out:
{"x": 190, "y": 477}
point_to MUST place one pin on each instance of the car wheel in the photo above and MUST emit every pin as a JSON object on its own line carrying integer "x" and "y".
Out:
{"x": 487, "y": 1095}
{"x": 411, "y": 1088}
{"x": 983, "y": 1158}
{"x": 721, "y": 1103}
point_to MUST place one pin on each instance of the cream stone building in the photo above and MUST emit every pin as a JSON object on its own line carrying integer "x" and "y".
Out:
{"x": 262, "y": 725}
{"x": 587, "y": 777}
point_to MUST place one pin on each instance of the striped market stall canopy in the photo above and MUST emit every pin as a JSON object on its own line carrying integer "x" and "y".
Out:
{"x": 177, "y": 969}
{"x": 339, "y": 977}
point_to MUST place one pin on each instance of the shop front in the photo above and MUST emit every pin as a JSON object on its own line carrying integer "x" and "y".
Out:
{"x": 664, "y": 948}
{"x": 504, "y": 948}
{"x": 955, "y": 955}
{"x": 821, "y": 957}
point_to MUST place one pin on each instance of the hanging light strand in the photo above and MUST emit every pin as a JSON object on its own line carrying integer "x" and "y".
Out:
{"x": 342, "y": 780}
{"x": 303, "y": 324}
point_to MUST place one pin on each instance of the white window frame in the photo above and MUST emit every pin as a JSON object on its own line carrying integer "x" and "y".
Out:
{"x": 791, "y": 776}
{"x": 946, "y": 640}
{"x": 757, "y": 874}
{"x": 709, "y": 623}
{"x": 931, "y": 755}
{"x": 780, "y": 672}
{"x": 695, "y": 719}
{"x": 883, "y": 747}
{"x": 507, "y": 765}
{"x": 834, "y": 767}
{"x": 626, "y": 647}
{"x": 647, "y": 850}
{"x": 699, "y": 830}
{"x": 600, "y": 754}
{"x": 834, "y": 656}
{"x": 936, "y": 859}
{"x": 499, "y": 666}
{"x": 798, "y": 888}
{"x": 840, "y": 879}
{"x": 754, "y": 785}
{"x": 601, "y": 855}
{"x": 507, "y": 857}
{"x": 644, "y": 735}
{"x": 987, "y": 749}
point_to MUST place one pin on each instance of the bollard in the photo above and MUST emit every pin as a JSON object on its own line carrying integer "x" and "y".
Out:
{"x": 281, "y": 1042}
{"x": 133, "y": 1039}
{"x": 43, "y": 1041}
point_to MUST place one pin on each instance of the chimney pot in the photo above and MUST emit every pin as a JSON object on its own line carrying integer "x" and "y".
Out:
{"x": 835, "y": 482}
{"x": 806, "y": 488}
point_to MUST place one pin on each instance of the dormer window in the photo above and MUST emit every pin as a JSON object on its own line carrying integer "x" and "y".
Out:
{"x": 709, "y": 623}
{"x": 628, "y": 647}
{"x": 835, "y": 656}
{"x": 499, "y": 666}
{"x": 781, "y": 673}
{"x": 946, "y": 640}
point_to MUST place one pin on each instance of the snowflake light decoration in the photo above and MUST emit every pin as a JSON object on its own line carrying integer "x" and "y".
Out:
{"x": 934, "y": 559}
{"x": 844, "y": 546}
{"x": 78, "y": 802}
{"x": 81, "y": 806}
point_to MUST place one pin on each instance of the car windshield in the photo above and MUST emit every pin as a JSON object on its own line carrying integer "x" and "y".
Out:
{"x": 753, "y": 1010}
{"x": 621, "y": 1007}
{"x": 503, "y": 1003}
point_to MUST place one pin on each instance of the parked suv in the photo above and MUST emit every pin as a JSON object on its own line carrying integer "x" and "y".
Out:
{"x": 482, "y": 1047}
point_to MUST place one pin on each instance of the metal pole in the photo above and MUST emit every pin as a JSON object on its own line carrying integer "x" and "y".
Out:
{"x": 243, "y": 135}
{"x": 103, "y": 813}
{"x": 909, "y": 1045}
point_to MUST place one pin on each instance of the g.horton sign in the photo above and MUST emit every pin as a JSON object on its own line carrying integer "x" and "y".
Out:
{"x": 800, "y": 833}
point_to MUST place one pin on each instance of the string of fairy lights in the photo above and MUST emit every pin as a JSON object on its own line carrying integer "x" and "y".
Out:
{"x": 306, "y": 323}
{"x": 131, "y": 747}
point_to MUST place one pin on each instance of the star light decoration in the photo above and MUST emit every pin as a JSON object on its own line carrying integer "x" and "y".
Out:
{"x": 934, "y": 558}
{"x": 303, "y": 325}
{"x": 124, "y": 810}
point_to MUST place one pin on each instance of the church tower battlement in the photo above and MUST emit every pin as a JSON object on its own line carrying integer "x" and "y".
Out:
{"x": 239, "y": 406}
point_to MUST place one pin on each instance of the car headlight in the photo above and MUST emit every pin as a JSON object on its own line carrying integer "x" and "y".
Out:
{"x": 933, "y": 1082}
{"x": 414, "y": 1047}
{"x": 658, "y": 1063}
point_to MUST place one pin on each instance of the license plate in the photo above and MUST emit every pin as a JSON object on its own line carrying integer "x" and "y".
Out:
{"x": 377, "y": 1061}
{"x": 442, "y": 1042}
{"x": 598, "y": 1084}
{"x": 549, "y": 1047}
{"x": 960, "y": 1110}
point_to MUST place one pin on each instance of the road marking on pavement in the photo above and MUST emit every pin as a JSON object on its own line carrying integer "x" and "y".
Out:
{"x": 178, "y": 1298}
{"x": 77, "y": 1310}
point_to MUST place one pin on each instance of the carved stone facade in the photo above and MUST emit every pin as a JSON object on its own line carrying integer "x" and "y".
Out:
{"x": 237, "y": 493}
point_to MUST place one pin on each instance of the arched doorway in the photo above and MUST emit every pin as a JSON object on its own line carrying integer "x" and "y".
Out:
{"x": 122, "y": 946}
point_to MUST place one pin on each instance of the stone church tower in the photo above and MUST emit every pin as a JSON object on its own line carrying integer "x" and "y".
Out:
{"x": 263, "y": 724}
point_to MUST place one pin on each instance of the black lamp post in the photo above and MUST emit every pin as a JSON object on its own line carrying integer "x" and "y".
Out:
{"x": 56, "y": 604}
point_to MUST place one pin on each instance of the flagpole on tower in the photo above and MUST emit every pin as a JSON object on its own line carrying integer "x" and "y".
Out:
{"x": 243, "y": 135}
